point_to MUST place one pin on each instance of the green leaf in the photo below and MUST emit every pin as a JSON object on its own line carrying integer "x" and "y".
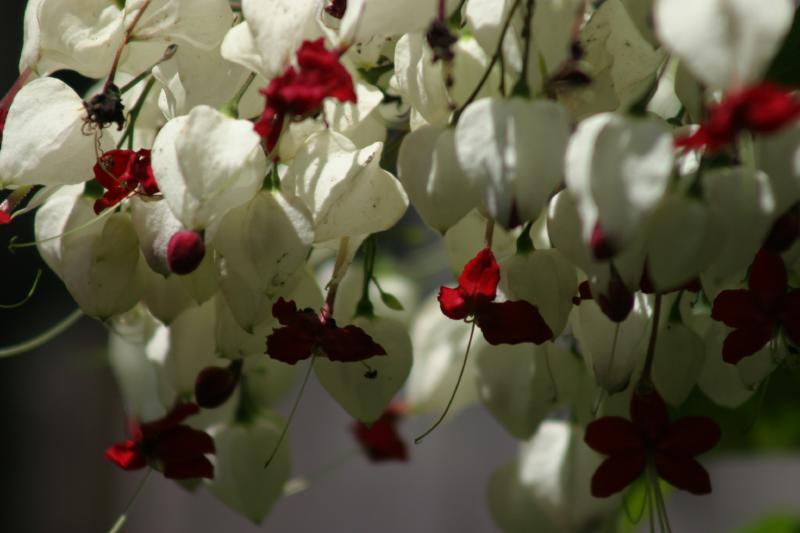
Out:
{"x": 785, "y": 68}
{"x": 391, "y": 301}
{"x": 775, "y": 524}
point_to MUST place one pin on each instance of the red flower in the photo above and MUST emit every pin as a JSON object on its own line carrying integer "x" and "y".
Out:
{"x": 299, "y": 92}
{"x": 336, "y": 8}
{"x": 305, "y": 334}
{"x": 758, "y": 312}
{"x": 380, "y": 441}
{"x": 510, "y": 322}
{"x": 764, "y": 108}
{"x": 122, "y": 172}
{"x": 650, "y": 438}
{"x": 8, "y": 99}
{"x": 168, "y": 445}
{"x": 5, "y": 218}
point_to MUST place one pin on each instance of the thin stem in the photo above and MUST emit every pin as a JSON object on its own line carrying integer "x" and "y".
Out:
{"x": 522, "y": 88}
{"x": 125, "y": 39}
{"x": 291, "y": 413}
{"x": 123, "y": 518}
{"x": 491, "y": 65}
{"x": 231, "y": 108}
{"x": 488, "y": 234}
{"x": 44, "y": 338}
{"x": 339, "y": 269}
{"x": 455, "y": 389}
{"x": 651, "y": 348}
{"x": 13, "y": 245}
{"x": 15, "y": 198}
{"x": 133, "y": 116}
{"x": 168, "y": 53}
{"x": 661, "y": 506}
{"x": 27, "y": 296}
{"x": 364, "y": 306}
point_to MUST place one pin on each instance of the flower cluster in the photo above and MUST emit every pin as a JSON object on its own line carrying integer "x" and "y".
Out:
{"x": 616, "y": 187}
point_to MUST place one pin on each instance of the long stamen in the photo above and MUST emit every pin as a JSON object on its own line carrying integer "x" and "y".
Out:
{"x": 27, "y": 296}
{"x": 14, "y": 245}
{"x": 455, "y": 389}
{"x": 291, "y": 413}
{"x": 168, "y": 53}
{"x": 123, "y": 518}
{"x": 44, "y": 338}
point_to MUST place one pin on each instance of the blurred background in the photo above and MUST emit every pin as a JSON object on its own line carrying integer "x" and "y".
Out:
{"x": 60, "y": 408}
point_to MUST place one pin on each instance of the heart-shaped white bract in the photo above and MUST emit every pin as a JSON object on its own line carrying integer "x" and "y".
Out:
{"x": 344, "y": 188}
{"x": 45, "y": 140}
{"x": 514, "y": 150}
{"x": 618, "y": 169}
{"x": 679, "y": 360}
{"x": 240, "y": 480}
{"x": 365, "y": 390}
{"x": 206, "y": 164}
{"x": 725, "y": 43}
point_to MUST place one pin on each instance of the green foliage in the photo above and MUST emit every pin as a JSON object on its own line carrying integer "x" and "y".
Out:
{"x": 782, "y": 523}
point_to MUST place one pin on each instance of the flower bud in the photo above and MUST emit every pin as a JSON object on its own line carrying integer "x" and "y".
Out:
{"x": 215, "y": 385}
{"x": 185, "y": 252}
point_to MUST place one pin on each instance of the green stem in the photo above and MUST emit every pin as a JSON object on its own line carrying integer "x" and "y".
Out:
{"x": 134, "y": 115}
{"x": 524, "y": 241}
{"x": 27, "y": 296}
{"x": 291, "y": 413}
{"x": 522, "y": 88}
{"x": 231, "y": 107}
{"x": 168, "y": 53}
{"x": 365, "y": 307}
{"x": 44, "y": 338}
{"x": 651, "y": 348}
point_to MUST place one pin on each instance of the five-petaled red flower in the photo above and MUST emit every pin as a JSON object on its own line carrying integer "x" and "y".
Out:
{"x": 763, "y": 108}
{"x": 380, "y": 440}
{"x": 759, "y": 311}
{"x": 122, "y": 172}
{"x": 304, "y": 333}
{"x": 167, "y": 444}
{"x": 298, "y": 93}
{"x": 649, "y": 438}
{"x": 511, "y": 322}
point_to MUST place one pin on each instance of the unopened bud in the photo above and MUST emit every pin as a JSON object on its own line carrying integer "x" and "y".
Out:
{"x": 185, "y": 252}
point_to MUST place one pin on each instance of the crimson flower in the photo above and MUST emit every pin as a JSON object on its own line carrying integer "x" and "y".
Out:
{"x": 758, "y": 312}
{"x": 336, "y": 8}
{"x": 304, "y": 333}
{"x": 763, "y": 108}
{"x": 650, "y": 438}
{"x": 511, "y": 322}
{"x": 298, "y": 93}
{"x": 122, "y": 172}
{"x": 5, "y": 218}
{"x": 380, "y": 440}
{"x": 176, "y": 449}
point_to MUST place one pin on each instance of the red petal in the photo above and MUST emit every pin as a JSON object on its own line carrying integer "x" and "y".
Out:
{"x": 480, "y": 277}
{"x": 175, "y": 417}
{"x": 289, "y": 345}
{"x": 512, "y": 323}
{"x": 452, "y": 304}
{"x": 349, "y": 344}
{"x": 126, "y": 455}
{"x": 381, "y": 441}
{"x": 613, "y": 434}
{"x": 737, "y": 309}
{"x": 649, "y": 414}
{"x": 791, "y": 316}
{"x": 768, "y": 108}
{"x": 744, "y": 342}
{"x": 5, "y": 218}
{"x": 690, "y": 436}
{"x": 683, "y": 472}
{"x": 616, "y": 473}
{"x": 182, "y": 443}
{"x": 768, "y": 280}
{"x": 196, "y": 467}
{"x": 284, "y": 311}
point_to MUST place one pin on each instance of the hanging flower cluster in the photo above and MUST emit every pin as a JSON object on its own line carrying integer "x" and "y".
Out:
{"x": 616, "y": 187}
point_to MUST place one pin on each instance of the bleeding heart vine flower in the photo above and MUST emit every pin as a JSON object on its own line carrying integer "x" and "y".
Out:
{"x": 765, "y": 108}
{"x": 510, "y": 322}
{"x": 167, "y": 444}
{"x": 305, "y": 334}
{"x": 650, "y": 440}
{"x": 759, "y": 312}
{"x": 381, "y": 440}
{"x": 122, "y": 173}
{"x": 299, "y": 92}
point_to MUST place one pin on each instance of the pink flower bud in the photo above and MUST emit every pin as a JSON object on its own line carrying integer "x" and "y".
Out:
{"x": 185, "y": 252}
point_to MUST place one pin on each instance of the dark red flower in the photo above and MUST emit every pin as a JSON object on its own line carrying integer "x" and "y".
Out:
{"x": 758, "y": 312}
{"x": 5, "y": 218}
{"x": 784, "y": 232}
{"x": 121, "y": 173}
{"x": 336, "y": 8}
{"x": 763, "y": 108}
{"x": 305, "y": 334}
{"x": 166, "y": 444}
{"x": 380, "y": 440}
{"x": 601, "y": 245}
{"x": 650, "y": 437}
{"x": 510, "y": 322}
{"x": 299, "y": 92}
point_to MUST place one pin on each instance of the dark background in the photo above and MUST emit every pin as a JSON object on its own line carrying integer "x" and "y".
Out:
{"x": 60, "y": 408}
